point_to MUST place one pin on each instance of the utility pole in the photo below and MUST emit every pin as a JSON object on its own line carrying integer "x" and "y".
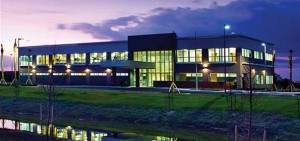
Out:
{"x": 291, "y": 86}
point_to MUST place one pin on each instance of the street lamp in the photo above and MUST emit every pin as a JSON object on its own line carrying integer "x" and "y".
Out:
{"x": 265, "y": 74}
{"x": 226, "y": 27}
{"x": 17, "y": 60}
{"x": 196, "y": 65}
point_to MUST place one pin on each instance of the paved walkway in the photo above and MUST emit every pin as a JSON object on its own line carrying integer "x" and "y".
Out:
{"x": 182, "y": 90}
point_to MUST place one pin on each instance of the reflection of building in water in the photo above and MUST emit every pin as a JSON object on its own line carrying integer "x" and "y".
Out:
{"x": 79, "y": 134}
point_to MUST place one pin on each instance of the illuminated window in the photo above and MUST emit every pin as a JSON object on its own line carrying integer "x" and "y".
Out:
{"x": 41, "y": 73}
{"x": 24, "y": 60}
{"x": 258, "y": 55}
{"x": 189, "y": 76}
{"x": 259, "y": 79}
{"x": 78, "y": 74}
{"x": 42, "y": 60}
{"x": 269, "y": 57}
{"x": 163, "y": 66}
{"x": 59, "y": 74}
{"x": 119, "y": 55}
{"x": 217, "y": 54}
{"x": 98, "y": 74}
{"x": 246, "y": 52}
{"x": 191, "y": 55}
{"x": 59, "y": 59}
{"x": 96, "y": 58}
{"x": 269, "y": 79}
{"x": 25, "y": 74}
{"x": 220, "y": 77}
{"x": 122, "y": 74}
{"x": 78, "y": 58}
{"x": 26, "y": 127}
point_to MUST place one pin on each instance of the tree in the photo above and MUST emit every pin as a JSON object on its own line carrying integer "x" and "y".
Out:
{"x": 247, "y": 99}
{"x": 51, "y": 90}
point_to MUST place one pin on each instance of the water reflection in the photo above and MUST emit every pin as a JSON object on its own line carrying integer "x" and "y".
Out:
{"x": 77, "y": 134}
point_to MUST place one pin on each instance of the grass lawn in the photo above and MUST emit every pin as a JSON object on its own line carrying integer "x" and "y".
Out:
{"x": 278, "y": 105}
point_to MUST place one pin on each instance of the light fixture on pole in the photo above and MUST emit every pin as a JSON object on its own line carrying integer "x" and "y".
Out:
{"x": 226, "y": 27}
{"x": 196, "y": 65}
{"x": 265, "y": 72}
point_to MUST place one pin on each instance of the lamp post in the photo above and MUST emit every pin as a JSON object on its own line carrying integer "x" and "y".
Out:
{"x": 196, "y": 66}
{"x": 226, "y": 27}
{"x": 265, "y": 72}
{"x": 17, "y": 59}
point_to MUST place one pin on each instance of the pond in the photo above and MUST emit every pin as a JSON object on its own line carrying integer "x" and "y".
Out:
{"x": 77, "y": 134}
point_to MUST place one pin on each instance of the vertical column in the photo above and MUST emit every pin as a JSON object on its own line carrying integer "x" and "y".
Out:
{"x": 238, "y": 68}
{"x": 114, "y": 76}
{"x": 205, "y": 77}
{"x": 137, "y": 77}
{"x": 87, "y": 79}
{"x": 33, "y": 71}
{"x": 88, "y": 135}
{"x": 69, "y": 132}
{"x": 108, "y": 76}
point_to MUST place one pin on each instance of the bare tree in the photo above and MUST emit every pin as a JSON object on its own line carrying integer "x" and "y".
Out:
{"x": 246, "y": 102}
{"x": 51, "y": 90}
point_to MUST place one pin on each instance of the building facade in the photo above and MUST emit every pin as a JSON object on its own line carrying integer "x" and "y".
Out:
{"x": 152, "y": 60}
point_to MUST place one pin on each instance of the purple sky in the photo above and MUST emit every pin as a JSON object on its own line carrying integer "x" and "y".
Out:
{"x": 42, "y": 22}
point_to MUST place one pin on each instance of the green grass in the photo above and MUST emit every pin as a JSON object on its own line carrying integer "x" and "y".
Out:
{"x": 277, "y": 105}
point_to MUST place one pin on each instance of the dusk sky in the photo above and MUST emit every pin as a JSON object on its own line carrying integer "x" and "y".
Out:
{"x": 42, "y": 22}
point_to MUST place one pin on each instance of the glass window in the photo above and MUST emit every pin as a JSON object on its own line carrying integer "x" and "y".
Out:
{"x": 162, "y": 71}
{"x": 269, "y": 57}
{"x": 120, "y": 55}
{"x": 41, "y": 73}
{"x": 42, "y": 60}
{"x": 78, "y": 74}
{"x": 24, "y": 60}
{"x": 189, "y": 77}
{"x": 78, "y": 58}
{"x": 122, "y": 74}
{"x": 25, "y": 74}
{"x": 259, "y": 79}
{"x": 59, "y": 74}
{"x": 98, "y": 74}
{"x": 269, "y": 79}
{"x": 179, "y": 55}
{"x": 60, "y": 59}
{"x": 231, "y": 57}
{"x": 191, "y": 55}
{"x": 217, "y": 54}
{"x": 96, "y": 58}
{"x": 246, "y": 52}
{"x": 219, "y": 77}
{"x": 258, "y": 55}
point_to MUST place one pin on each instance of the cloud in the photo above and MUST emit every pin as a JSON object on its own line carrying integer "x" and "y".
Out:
{"x": 276, "y": 22}
{"x": 108, "y": 30}
{"x": 286, "y": 58}
{"x": 61, "y": 26}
